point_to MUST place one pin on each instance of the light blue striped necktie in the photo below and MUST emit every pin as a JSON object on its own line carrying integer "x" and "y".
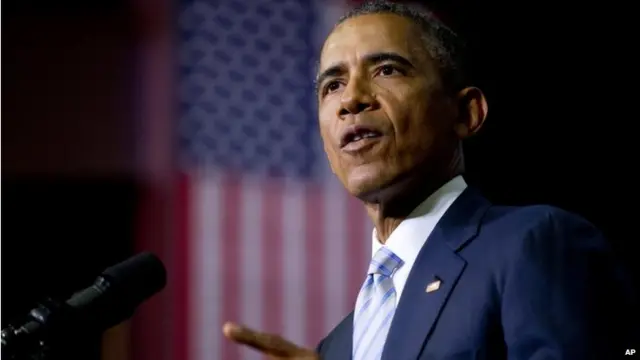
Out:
{"x": 375, "y": 307}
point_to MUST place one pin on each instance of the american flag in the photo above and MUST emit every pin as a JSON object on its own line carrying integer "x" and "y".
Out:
{"x": 273, "y": 240}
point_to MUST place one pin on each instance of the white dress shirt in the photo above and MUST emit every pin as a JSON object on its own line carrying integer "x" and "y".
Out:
{"x": 412, "y": 233}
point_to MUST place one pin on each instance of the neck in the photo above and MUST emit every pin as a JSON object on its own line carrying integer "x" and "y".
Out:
{"x": 387, "y": 215}
{"x": 388, "y": 207}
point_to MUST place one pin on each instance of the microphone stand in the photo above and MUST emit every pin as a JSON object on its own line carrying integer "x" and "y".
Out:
{"x": 32, "y": 340}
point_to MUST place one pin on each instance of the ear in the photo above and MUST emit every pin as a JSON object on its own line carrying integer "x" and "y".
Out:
{"x": 472, "y": 111}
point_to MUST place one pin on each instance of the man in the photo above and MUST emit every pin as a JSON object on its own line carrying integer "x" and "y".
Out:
{"x": 452, "y": 276}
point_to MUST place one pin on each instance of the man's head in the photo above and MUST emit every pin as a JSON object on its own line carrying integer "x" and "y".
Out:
{"x": 392, "y": 100}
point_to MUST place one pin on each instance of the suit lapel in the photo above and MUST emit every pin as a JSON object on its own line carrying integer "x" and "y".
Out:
{"x": 437, "y": 267}
{"x": 340, "y": 345}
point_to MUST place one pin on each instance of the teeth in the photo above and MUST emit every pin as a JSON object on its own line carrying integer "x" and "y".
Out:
{"x": 363, "y": 136}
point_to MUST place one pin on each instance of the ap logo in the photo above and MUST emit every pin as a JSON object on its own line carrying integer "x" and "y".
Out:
{"x": 630, "y": 352}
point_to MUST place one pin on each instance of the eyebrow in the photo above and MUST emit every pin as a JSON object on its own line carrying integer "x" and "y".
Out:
{"x": 372, "y": 59}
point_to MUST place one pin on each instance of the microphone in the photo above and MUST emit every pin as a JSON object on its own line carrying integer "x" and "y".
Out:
{"x": 113, "y": 298}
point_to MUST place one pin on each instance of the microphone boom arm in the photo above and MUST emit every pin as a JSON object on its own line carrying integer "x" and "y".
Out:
{"x": 29, "y": 341}
{"x": 53, "y": 326}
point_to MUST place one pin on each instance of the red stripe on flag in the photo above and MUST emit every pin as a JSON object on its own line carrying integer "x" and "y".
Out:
{"x": 314, "y": 224}
{"x": 147, "y": 325}
{"x": 181, "y": 270}
{"x": 356, "y": 248}
{"x": 231, "y": 263}
{"x": 272, "y": 252}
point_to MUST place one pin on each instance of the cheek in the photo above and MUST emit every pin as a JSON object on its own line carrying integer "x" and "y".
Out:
{"x": 325, "y": 134}
{"x": 328, "y": 124}
{"x": 328, "y": 140}
{"x": 407, "y": 117}
{"x": 406, "y": 106}
{"x": 416, "y": 136}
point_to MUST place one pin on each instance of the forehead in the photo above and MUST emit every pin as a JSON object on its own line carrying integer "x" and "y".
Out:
{"x": 367, "y": 34}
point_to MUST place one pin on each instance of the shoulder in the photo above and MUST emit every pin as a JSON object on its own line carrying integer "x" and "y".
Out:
{"x": 558, "y": 275}
{"x": 533, "y": 216}
{"x": 538, "y": 241}
{"x": 547, "y": 244}
{"x": 541, "y": 225}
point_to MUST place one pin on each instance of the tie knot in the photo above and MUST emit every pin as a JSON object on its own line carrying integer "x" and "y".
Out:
{"x": 384, "y": 262}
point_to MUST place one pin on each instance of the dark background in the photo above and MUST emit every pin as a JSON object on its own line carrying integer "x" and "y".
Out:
{"x": 69, "y": 187}
{"x": 559, "y": 79}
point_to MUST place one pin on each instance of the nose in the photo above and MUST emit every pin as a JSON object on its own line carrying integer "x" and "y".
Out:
{"x": 356, "y": 98}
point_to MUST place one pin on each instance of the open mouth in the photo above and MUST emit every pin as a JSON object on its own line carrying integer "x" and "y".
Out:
{"x": 354, "y": 134}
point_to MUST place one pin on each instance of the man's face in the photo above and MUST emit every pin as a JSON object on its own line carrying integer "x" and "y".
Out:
{"x": 383, "y": 114}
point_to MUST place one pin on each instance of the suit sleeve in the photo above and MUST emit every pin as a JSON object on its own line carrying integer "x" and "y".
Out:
{"x": 319, "y": 347}
{"x": 565, "y": 296}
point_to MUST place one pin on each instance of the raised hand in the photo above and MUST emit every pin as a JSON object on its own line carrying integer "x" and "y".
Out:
{"x": 274, "y": 346}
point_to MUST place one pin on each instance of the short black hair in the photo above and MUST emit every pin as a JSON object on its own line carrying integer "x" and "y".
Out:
{"x": 442, "y": 43}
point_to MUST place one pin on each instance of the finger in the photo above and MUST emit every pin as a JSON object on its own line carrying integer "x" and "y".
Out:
{"x": 266, "y": 343}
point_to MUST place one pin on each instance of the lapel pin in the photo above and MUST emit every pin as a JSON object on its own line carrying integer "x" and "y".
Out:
{"x": 433, "y": 286}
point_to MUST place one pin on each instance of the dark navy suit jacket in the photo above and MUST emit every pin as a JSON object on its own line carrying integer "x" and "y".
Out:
{"x": 517, "y": 283}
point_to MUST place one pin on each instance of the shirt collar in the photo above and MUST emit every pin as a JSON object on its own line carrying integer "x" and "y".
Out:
{"x": 412, "y": 233}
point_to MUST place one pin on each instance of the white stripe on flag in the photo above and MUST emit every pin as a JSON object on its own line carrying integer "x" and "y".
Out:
{"x": 335, "y": 260}
{"x": 251, "y": 247}
{"x": 206, "y": 296}
{"x": 294, "y": 297}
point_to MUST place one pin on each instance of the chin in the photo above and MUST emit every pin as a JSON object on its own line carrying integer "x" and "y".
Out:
{"x": 380, "y": 185}
{"x": 369, "y": 184}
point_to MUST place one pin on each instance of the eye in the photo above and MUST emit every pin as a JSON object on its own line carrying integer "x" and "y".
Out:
{"x": 331, "y": 86}
{"x": 388, "y": 70}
